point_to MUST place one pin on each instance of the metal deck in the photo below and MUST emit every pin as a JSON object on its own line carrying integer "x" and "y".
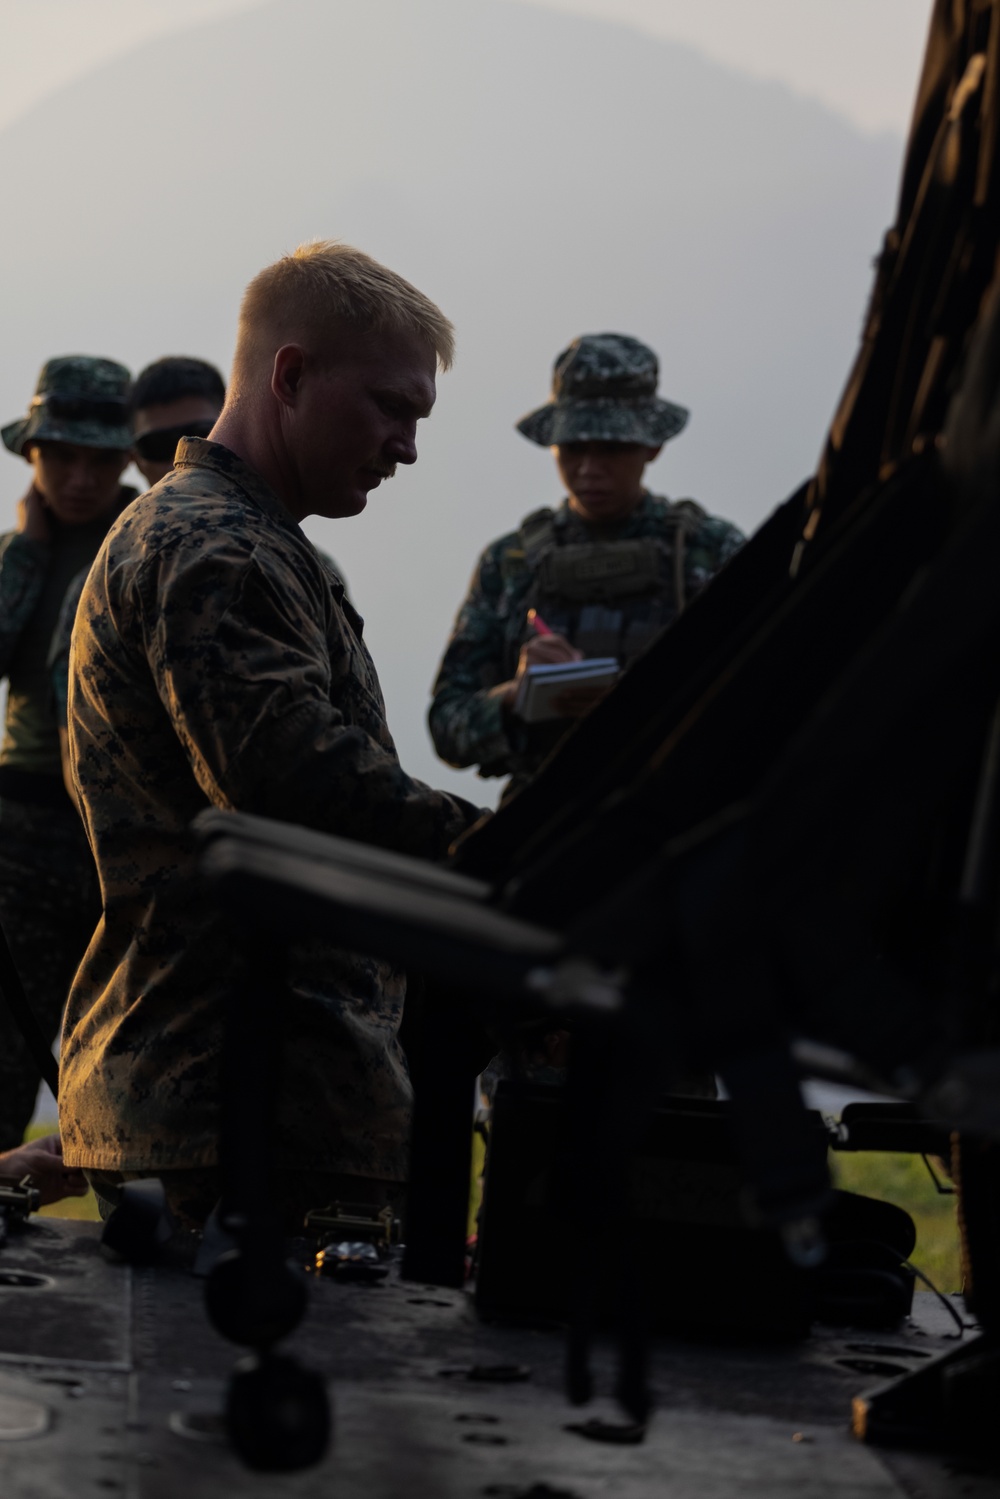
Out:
{"x": 111, "y": 1382}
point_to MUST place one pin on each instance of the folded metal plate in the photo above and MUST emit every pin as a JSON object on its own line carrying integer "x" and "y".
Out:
{"x": 345, "y": 853}
{"x": 404, "y": 923}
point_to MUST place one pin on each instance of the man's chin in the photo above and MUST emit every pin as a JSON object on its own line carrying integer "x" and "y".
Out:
{"x": 346, "y": 505}
{"x": 602, "y": 509}
{"x": 76, "y": 515}
{"x": 346, "y": 500}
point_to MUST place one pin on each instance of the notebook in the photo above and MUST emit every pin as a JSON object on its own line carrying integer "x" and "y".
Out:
{"x": 541, "y": 685}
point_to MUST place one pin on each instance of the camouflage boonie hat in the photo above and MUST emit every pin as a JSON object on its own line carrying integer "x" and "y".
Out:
{"x": 79, "y": 398}
{"x": 604, "y": 390}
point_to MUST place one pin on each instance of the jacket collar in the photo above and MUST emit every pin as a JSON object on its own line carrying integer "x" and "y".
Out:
{"x": 564, "y": 517}
{"x": 199, "y": 452}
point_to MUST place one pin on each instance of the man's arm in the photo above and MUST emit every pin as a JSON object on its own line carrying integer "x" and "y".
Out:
{"x": 24, "y": 558}
{"x": 469, "y": 714}
{"x": 262, "y": 702}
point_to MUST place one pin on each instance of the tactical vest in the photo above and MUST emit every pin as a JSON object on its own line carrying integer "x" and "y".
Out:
{"x": 609, "y": 598}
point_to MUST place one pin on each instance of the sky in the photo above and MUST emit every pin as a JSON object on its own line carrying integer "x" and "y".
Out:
{"x": 859, "y": 57}
{"x": 729, "y": 215}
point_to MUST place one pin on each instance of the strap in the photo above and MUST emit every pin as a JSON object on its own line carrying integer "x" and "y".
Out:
{"x": 538, "y": 535}
{"x": 688, "y": 517}
{"x": 690, "y": 514}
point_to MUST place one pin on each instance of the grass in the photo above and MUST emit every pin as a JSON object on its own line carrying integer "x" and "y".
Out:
{"x": 905, "y": 1181}
{"x": 476, "y": 1185}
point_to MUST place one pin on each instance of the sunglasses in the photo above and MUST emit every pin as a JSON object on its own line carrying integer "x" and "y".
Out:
{"x": 109, "y": 412}
{"x": 160, "y": 445}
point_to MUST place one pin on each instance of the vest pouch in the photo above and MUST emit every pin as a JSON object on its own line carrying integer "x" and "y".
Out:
{"x": 598, "y": 572}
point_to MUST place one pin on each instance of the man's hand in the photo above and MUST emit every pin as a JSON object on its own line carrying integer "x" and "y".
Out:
{"x": 545, "y": 650}
{"x": 540, "y": 650}
{"x": 42, "y": 1161}
{"x": 33, "y": 517}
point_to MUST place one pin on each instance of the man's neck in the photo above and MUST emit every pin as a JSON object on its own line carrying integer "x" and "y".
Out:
{"x": 605, "y": 522}
{"x": 255, "y": 444}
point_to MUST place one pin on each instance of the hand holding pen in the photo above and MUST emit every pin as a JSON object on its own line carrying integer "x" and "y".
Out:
{"x": 572, "y": 702}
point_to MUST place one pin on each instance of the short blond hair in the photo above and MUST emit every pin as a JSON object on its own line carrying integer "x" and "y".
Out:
{"x": 324, "y": 285}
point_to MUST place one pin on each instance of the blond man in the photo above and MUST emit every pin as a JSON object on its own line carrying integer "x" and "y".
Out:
{"x": 216, "y": 662}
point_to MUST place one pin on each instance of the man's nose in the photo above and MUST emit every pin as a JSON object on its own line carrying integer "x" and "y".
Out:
{"x": 402, "y": 446}
{"x": 83, "y": 475}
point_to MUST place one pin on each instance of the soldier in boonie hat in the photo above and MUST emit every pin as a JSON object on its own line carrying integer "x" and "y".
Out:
{"x": 600, "y": 575}
{"x": 76, "y": 437}
{"x": 604, "y": 390}
{"x": 78, "y": 399}
{"x": 597, "y": 576}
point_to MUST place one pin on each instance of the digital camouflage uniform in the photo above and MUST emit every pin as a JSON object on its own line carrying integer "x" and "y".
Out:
{"x": 467, "y": 720}
{"x": 216, "y": 662}
{"x": 608, "y": 589}
{"x": 48, "y": 891}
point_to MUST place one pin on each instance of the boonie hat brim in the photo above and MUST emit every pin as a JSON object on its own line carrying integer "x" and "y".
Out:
{"x": 645, "y": 419}
{"x": 42, "y": 426}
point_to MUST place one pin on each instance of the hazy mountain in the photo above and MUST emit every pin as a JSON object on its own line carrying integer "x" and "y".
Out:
{"x": 539, "y": 174}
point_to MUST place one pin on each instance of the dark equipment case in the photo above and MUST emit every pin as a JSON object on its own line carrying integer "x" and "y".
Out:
{"x": 705, "y": 1267}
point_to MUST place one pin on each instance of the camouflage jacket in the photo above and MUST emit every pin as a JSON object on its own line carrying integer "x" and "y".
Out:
{"x": 468, "y": 722}
{"x": 23, "y": 564}
{"x": 216, "y": 662}
{"x": 59, "y": 648}
{"x": 34, "y": 576}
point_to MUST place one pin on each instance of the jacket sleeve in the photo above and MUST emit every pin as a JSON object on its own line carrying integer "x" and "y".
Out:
{"x": 256, "y": 685}
{"x": 466, "y": 717}
{"x": 23, "y": 564}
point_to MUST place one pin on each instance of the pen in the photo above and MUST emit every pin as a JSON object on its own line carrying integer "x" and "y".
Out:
{"x": 538, "y": 624}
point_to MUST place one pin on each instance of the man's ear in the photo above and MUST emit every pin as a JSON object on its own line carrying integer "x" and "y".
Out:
{"x": 286, "y": 374}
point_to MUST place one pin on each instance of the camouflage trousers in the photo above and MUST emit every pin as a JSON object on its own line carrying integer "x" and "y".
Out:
{"x": 49, "y": 907}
